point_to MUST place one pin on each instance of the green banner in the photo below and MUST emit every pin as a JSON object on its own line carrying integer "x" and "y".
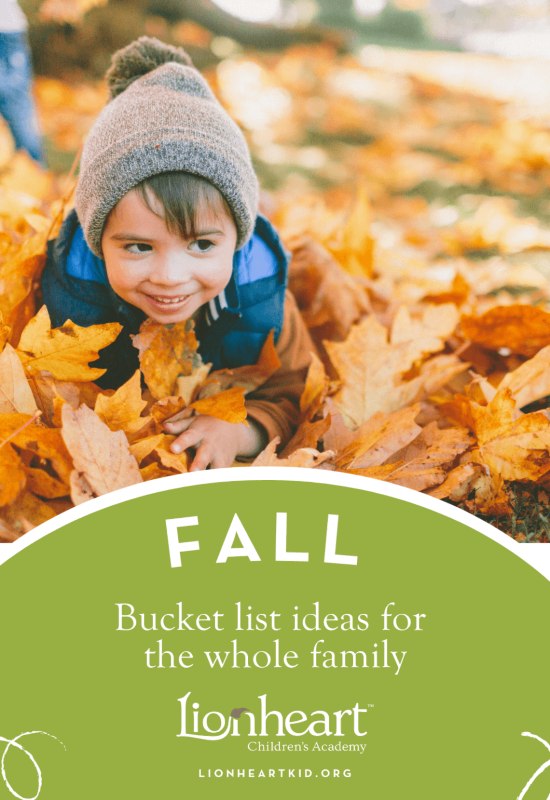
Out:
{"x": 245, "y": 638}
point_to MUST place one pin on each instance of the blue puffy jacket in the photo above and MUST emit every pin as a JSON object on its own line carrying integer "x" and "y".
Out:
{"x": 230, "y": 333}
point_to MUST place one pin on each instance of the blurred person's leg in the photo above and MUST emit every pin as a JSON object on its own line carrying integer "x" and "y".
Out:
{"x": 16, "y": 101}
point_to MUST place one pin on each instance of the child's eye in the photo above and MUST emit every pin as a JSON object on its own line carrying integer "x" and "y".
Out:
{"x": 138, "y": 247}
{"x": 201, "y": 245}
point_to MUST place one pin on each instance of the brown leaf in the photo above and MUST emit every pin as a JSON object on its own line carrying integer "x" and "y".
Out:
{"x": 308, "y": 435}
{"x": 50, "y": 394}
{"x": 12, "y": 475}
{"x": 458, "y": 483}
{"x": 327, "y": 295}
{"x": 248, "y": 378}
{"x": 153, "y": 471}
{"x": 306, "y": 457}
{"x": 315, "y": 389}
{"x": 519, "y": 328}
{"x": 379, "y": 438}
{"x": 102, "y": 456}
{"x": 438, "y": 449}
{"x": 28, "y": 512}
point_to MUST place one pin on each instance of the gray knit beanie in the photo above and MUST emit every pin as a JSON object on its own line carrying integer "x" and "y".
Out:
{"x": 162, "y": 117}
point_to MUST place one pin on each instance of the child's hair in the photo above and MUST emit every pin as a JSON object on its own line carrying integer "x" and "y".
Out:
{"x": 186, "y": 200}
{"x": 163, "y": 118}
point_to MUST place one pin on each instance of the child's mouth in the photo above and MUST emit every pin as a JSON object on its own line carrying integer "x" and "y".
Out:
{"x": 168, "y": 302}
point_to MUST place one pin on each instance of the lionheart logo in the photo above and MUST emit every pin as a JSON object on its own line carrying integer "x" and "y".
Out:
{"x": 15, "y": 744}
{"x": 540, "y": 770}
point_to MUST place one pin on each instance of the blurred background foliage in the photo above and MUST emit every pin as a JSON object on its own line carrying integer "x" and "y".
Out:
{"x": 66, "y": 36}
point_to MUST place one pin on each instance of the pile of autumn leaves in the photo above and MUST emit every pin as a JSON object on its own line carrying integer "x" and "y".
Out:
{"x": 415, "y": 394}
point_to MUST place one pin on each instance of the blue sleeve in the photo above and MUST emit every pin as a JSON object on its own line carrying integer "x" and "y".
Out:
{"x": 255, "y": 260}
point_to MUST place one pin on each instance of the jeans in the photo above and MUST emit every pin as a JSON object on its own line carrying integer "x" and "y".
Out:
{"x": 16, "y": 101}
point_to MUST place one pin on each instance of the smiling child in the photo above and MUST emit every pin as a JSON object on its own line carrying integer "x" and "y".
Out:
{"x": 166, "y": 226}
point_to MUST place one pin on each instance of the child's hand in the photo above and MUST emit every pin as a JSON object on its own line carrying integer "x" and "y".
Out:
{"x": 217, "y": 443}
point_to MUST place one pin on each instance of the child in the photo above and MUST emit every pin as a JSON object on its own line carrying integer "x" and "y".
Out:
{"x": 166, "y": 226}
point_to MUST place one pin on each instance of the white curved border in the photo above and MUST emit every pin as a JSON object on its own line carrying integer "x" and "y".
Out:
{"x": 537, "y": 555}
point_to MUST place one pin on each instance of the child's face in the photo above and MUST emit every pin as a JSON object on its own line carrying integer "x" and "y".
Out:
{"x": 168, "y": 277}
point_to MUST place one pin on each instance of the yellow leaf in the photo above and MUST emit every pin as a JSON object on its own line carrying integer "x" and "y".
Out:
{"x": 354, "y": 247}
{"x": 140, "y": 450}
{"x": 166, "y": 352}
{"x": 228, "y": 406}
{"x": 371, "y": 371}
{"x": 177, "y": 462}
{"x": 66, "y": 351}
{"x": 315, "y": 388}
{"x": 514, "y": 446}
{"x": 121, "y": 410}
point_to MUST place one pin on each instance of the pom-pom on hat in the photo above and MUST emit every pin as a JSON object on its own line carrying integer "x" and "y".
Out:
{"x": 163, "y": 117}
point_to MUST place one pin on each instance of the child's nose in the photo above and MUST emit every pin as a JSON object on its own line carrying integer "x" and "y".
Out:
{"x": 170, "y": 270}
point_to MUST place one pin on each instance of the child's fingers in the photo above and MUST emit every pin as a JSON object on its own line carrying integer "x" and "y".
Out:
{"x": 178, "y": 425}
{"x": 190, "y": 438}
{"x": 185, "y": 414}
{"x": 203, "y": 457}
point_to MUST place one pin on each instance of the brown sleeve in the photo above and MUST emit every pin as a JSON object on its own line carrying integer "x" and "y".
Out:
{"x": 276, "y": 404}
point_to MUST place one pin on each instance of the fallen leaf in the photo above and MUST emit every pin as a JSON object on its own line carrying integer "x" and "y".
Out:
{"x": 12, "y": 475}
{"x": 308, "y": 435}
{"x": 122, "y": 410}
{"x": 305, "y": 457}
{"x": 512, "y": 445}
{"x": 519, "y": 328}
{"x": 166, "y": 352}
{"x": 315, "y": 389}
{"x": 65, "y": 351}
{"x": 328, "y": 297}
{"x": 530, "y": 381}
{"x": 371, "y": 371}
{"x": 102, "y": 456}
{"x": 458, "y": 483}
{"x": 228, "y": 406}
{"x": 379, "y": 438}
{"x": 248, "y": 378}
{"x": 15, "y": 392}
